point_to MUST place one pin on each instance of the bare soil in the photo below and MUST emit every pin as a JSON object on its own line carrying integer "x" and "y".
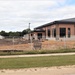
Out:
{"x": 63, "y": 70}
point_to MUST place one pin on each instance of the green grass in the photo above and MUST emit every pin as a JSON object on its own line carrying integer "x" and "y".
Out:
{"x": 31, "y": 62}
{"x": 38, "y": 52}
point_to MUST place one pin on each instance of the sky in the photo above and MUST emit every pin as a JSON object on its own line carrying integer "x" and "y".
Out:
{"x": 15, "y": 15}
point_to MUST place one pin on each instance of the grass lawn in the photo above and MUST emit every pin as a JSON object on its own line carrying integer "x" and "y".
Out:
{"x": 31, "y": 62}
{"x": 35, "y": 52}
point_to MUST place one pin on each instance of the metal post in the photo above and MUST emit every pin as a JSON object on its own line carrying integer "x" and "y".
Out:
{"x": 64, "y": 42}
{"x": 31, "y": 42}
{"x": 13, "y": 43}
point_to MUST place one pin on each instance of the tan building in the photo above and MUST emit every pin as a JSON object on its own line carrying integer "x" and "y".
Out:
{"x": 57, "y": 30}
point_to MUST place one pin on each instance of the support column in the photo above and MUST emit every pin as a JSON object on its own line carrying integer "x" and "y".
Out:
{"x": 57, "y": 32}
{"x": 46, "y": 32}
{"x": 66, "y": 32}
{"x": 51, "y": 32}
{"x": 35, "y": 35}
{"x": 74, "y": 29}
{"x": 43, "y": 35}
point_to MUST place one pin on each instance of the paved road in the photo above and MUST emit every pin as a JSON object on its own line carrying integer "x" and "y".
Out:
{"x": 37, "y": 55}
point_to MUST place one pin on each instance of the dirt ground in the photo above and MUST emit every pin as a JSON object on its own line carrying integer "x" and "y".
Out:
{"x": 63, "y": 70}
{"x": 46, "y": 45}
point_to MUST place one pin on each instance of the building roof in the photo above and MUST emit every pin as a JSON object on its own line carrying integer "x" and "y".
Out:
{"x": 68, "y": 20}
{"x": 65, "y": 21}
{"x": 38, "y": 30}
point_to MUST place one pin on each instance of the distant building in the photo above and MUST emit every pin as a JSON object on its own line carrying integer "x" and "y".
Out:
{"x": 26, "y": 36}
{"x": 56, "y": 30}
{"x": 1, "y": 37}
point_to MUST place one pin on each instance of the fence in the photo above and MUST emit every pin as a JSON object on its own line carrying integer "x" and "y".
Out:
{"x": 14, "y": 43}
{"x": 19, "y": 43}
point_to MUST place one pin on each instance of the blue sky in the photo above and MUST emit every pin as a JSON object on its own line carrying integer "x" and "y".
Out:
{"x": 71, "y": 2}
{"x": 15, "y": 15}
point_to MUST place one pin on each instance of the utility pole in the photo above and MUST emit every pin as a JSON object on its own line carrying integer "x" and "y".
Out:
{"x": 30, "y": 38}
{"x": 29, "y": 26}
{"x": 29, "y": 31}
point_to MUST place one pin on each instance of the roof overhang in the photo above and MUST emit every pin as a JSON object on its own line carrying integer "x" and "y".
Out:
{"x": 37, "y": 31}
{"x": 55, "y": 23}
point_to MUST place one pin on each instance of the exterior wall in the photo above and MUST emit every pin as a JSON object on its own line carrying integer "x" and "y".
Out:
{"x": 26, "y": 37}
{"x": 57, "y": 32}
{"x": 51, "y": 33}
{"x": 46, "y": 32}
{"x": 1, "y": 37}
{"x": 57, "y": 27}
{"x": 71, "y": 26}
{"x": 35, "y": 35}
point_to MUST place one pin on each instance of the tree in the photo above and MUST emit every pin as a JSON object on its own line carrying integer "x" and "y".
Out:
{"x": 12, "y": 34}
{"x": 3, "y": 33}
{"x": 26, "y": 32}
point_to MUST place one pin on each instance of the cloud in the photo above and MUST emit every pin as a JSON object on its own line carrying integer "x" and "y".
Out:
{"x": 15, "y": 15}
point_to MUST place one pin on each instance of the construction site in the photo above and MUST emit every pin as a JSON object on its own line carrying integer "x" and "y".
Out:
{"x": 20, "y": 44}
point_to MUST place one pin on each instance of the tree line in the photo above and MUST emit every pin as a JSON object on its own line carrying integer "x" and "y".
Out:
{"x": 17, "y": 33}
